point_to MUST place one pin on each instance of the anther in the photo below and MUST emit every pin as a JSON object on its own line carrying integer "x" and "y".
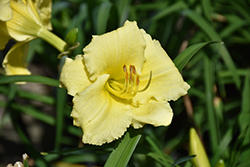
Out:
{"x": 126, "y": 72}
{"x": 137, "y": 81}
{"x": 125, "y": 68}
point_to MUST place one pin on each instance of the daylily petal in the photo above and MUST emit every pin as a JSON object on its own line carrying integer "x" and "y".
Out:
{"x": 25, "y": 23}
{"x": 44, "y": 10}
{"x": 15, "y": 60}
{"x": 73, "y": 75}
{"x": 5, "y": 10}
{"x": 167, "y": 82}
{"x": 154, "y": 113}
{"x": 31, "y": 8}
{"x": 108, "y": 53}
{"x": 101, "y": 117}
{"x": 4, "y": 35}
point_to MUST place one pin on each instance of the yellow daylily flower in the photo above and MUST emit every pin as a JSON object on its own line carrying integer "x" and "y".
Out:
{"x": 196, "y": 148}
{"x": 23, "y": 21}
{"x": 124, "y": 78}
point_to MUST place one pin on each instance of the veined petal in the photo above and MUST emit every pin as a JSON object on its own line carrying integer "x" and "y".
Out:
{"x": 25, "y": 23}
{"x": 101, "y": 117}
{"x": 5, "y": 10}
{"x": 32, "y": 9}
{"x": 154, "y": 113}
{"x": 5, "y": 37}
{"x": 73, "y": 75}
{"x": 44, "y": 11}
{"x": 108, "y": 53}
{"x": 167, "y": 82}
{"x": 15, "y": 61}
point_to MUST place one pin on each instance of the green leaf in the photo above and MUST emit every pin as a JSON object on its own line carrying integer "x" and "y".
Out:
{"x": 184, "y": 159}
{"x": 213, "y": 35}
{"x": 244, "y": 164}
{"x": 35, "y": 96}
{"x": 245, "y": 110}
{"x": 122, "y": 153}
{"x": 157, "y": 153}
{"x": 180, "y": 5}
{"x": 150, "y": 6}
{"x": 212, "y": 121}
{"x": 182, "y": 59}
{"x": 35, "y": 113}
{"x": 102, "y": 18}
{"x": 236, "y": 150}
{"x": 206, "y": 4}
{"x": 242, "y": 8}
{"x": 160, "y": 159}
{"x": 123, "y": 8}
{"x": 29, "y": 78}
{"x": 224, "y": 144}
{"x": 236, "y": 24}
{"x": 60, "y": 105}
{"x": 244, "y": 116}
{"x": 202, "y": 23}
{"x": 154, "y": 146}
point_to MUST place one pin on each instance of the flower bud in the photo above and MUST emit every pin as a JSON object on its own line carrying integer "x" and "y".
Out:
{"x": 196, "y": 148}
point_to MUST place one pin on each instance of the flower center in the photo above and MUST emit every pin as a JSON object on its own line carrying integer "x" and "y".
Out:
{"x": 128, "y": 87}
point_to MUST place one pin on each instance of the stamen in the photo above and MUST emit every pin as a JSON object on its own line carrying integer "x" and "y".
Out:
{"x": 149, "y": 81}
{"x": 131, "y": 69}
{"x": 130, "y": 86}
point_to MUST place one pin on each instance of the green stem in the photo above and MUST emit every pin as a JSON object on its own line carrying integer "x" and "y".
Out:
{"x": 52, "y": 39}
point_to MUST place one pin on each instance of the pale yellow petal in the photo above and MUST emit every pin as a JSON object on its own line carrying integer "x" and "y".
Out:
{"x": 167, "y": 82}
{"x": 44, "y": 11}
{"x": 108, "y": 53}
{"x": 25, "y": 23}
{"x": 4, "y": 35}
{"x": 33, "y": 11}
{"x": 73, "y": 75}
{"x": 154, "y": 113}
{"x": 5, "y": 10}
{"x": 15, "y": 61}
{"x": 101, "y": 117}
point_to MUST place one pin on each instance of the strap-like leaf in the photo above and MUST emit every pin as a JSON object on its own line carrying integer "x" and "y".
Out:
{"x": 29, "y": 78}
{"x": 125, "y": 147}
{"x": 182, "y": 59}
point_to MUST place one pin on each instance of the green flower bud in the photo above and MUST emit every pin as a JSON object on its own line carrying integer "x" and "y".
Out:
{"x": 72, "y": 36}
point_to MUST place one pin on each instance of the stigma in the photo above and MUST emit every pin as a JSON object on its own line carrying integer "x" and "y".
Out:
{"x": 129, "y": 87}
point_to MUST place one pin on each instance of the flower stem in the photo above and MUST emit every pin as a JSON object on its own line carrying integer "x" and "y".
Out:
{"x": 52, "y": 39}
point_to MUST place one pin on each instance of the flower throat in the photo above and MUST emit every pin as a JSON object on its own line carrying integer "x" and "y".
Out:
{"x": 130, "y": 87}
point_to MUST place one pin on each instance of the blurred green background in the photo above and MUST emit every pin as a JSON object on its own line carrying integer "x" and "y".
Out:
{"x": 35, "y": 117}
